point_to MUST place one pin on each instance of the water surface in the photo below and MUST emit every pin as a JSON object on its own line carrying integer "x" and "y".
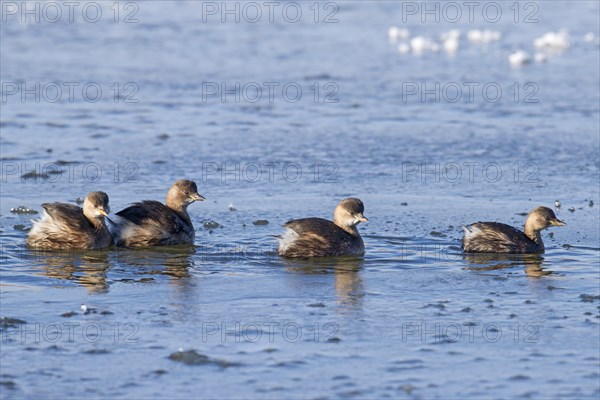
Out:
{"x": 227, "y": 318}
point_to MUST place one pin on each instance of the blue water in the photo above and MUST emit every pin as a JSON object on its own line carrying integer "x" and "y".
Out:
{"x": 227, "y": 318}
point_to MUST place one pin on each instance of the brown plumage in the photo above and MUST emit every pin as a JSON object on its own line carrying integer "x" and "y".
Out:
{"x": 318, "y": 237}
{"x": 65, "y": 226}
{"x": 151, "y": 223}
{"x": 494, "y": 237}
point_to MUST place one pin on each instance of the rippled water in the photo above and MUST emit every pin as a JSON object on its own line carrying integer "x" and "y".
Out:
{"x": 227, "y": 318}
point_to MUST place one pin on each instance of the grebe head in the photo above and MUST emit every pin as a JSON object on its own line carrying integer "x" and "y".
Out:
{"x": 541, "y": 218}
{"x": 183, "y": 193}
{"x": 95, "y": 205}
{"x": 349, "y": 213}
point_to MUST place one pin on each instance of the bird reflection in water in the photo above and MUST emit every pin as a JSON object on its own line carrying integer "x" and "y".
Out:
{"x": 90, "y": 268}
{"x": 171, "y": 261}
{"x": 349, "y": 286}
{"x": 532, "y": 263}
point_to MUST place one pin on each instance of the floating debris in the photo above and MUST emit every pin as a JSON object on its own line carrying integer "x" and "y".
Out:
{"x": 519, "y": 58}
{"x": 519, "y": 378}
{"x": 192, "y": 357}
{"x": 231, "y": 207}
{"x": 432, "y": 305}
{"x": 69, "y": 314}
{"x": 163, "y": 136}
{"x": 64, "y": 162}
{"x": 540, "y": 57}
{"x": 403, "y": 48}
{"x": 408, "y": 388}
{"x": 553, "y": 40}
{"x": 12, "y": 124}
{"x": 450, "y": 46}
{"x": 451, "y": 34}
{"x": 270, "y": 350}
{"x": 588, "y": 298}
{"x": 421, "y": 44}
{"x": 21, "y": 227}
{"x": 97, "y": 351}
{"x": 450, "y": 40}
{"x": 23, "y": 210}
{"x": 591, "y": 203}
{"x": 35, "y": 175}
{"x": 483, "y": 36}
{"x": 259, "y": 222}
{"x": 9, "y": 384}
{"x": 88, "y": 310}
{"x": 395, "y": 33}
{"x": 211, "y": 224}
{"x": 589, "y": 37}
{"x": 8, "y": 322}
{"x": 572, "y": 209}
{"x": 52, "y": 124}
{"x": 557, "y": 203}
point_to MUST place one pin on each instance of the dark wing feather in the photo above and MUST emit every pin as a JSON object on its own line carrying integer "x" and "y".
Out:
{"x": 495, "y": 237}
{"x": 158, "y": 224}
{"x": 320, "y": 225}
{"x": 69, "y": 215}
{"x": 140, "y": 213}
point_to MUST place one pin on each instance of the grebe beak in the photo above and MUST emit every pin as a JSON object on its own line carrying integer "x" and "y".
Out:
{"x": 362, "y": 218}
{"x": 557, "y": 222}
{"x": 198, "y": 197}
